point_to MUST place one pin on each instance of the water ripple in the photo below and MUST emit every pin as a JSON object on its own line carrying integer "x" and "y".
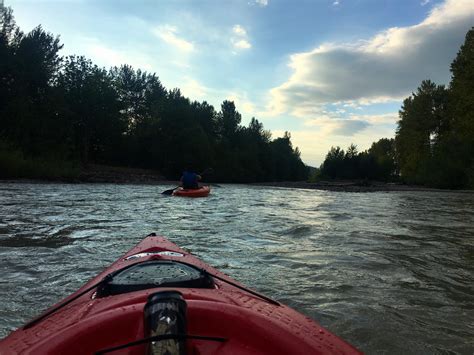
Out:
{"x": 390, "y": 272}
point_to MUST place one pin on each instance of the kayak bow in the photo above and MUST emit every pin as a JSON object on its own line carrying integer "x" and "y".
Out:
{"x": 158, "y": 297}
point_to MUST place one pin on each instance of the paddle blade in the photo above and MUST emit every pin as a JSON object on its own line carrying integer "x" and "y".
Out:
{"x": 168, "y": 192}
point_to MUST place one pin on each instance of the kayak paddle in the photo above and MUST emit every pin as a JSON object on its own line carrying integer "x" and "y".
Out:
{"x": 170, "y": 191}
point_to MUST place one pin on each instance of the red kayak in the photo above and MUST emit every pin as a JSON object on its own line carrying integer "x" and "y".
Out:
{"x": 159, "y": 299}
{"x": 201, "y": 192}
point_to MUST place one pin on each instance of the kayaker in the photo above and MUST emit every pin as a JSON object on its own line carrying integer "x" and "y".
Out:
{"x": 190, "y": 179}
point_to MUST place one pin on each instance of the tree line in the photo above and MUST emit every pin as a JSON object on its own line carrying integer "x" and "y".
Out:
{"x": 58, "y": 113}
{"x": 434, "y": 140}
{"x": 377, "y": 163}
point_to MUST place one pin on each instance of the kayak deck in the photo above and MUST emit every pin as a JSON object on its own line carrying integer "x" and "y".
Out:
{"x": 250, "y": 323}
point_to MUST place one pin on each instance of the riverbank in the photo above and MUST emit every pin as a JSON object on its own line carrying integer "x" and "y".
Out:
{"x": 354, "y": 186}
{"x": 95, "y": 173}
{"x": 120, "y": 175}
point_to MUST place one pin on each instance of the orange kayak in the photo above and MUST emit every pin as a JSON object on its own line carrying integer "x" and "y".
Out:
{"x": 201, "y": 192}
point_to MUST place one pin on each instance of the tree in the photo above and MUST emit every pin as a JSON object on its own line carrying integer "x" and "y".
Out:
{"x": 420, "y": 122}
{"x": 28, "y": 67}
{"x": 142, "y": 100}
{"x": 228, "y": 120}
{"x": 93, "y": 109}
{"x": 77, "y": 111}
{"x": 461, "y": 114}
{"x": 383, "y": 153}
{"x": 333, "y": 163}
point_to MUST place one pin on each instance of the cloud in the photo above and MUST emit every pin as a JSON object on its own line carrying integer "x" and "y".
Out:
{"x": 262, "y": 3}
{"x": 317, "y": 139}
{"x": 103, "y": 55}
{"x": 242, "y": 44}
{"x": 331, "y": 125}
{"x": 385, "y": 118}
{"x": 239, "y": 30}
{"x": 239, "y": 38}
{"x": 242, "y": 103}
{"x": 384, "y": 68}
{"x": 348, "y": 127}
{"x": 169, "y": 35}
{"x": 336, "y": 3}
{"x": 340, "y": 127}
{"x": 193, "y": 89}
{"x": 424, "y": 2}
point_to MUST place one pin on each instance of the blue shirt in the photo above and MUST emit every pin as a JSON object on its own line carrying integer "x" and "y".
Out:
{"x": 190, "y": 180}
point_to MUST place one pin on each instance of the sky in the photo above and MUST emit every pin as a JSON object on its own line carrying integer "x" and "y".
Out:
{"x": 331, "y": 72}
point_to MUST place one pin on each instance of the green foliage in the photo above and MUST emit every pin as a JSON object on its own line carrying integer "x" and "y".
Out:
{"x": 434, "y": 142}
{"x": 422, "y": 122}
{"x": 435, "y": 135}
{"x": 91, "y": 111}
{"x": 461, "y": 112}
{"x": 28, "y": 67}
{"x": 13, "y": 164}
{"x": 228, "y": 120}
{"x": 378, "y": 163}
{"x": 315, "y": 175}
{"x": 333, "y": 165}
{"x": 383, "y": 155}
{"x": 55, "y": 109}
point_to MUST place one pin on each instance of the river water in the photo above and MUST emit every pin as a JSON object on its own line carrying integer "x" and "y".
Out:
{"x": 391, "y": 273}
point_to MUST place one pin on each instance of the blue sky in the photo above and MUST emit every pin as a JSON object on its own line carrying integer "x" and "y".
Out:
{"x": 332, "y": 72}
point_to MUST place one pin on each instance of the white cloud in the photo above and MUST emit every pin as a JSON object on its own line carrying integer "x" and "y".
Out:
{"x": 193, "y": 89}
{"x": 239, "y": 30}
{"x": 262, "y": 3}
{"x": 242, "y": 44}
{"x": 331, "y": 124}
{"x": 242, "y": 103}
{"x": 424, "y": 2}
{"x": 346, "y": 128}
{"x": 169, "y": 35}
{"x": 239, "y": 38}
{"x": 384, "y": 68}
{"x": 334, "y": 123}
{"x": 335, "y": 3}
{"x": 105, "y": 56}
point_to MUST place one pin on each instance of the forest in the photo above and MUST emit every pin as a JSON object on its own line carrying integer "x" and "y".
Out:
{"x": 59, "y": 114}
{"x": 434, "y": 140}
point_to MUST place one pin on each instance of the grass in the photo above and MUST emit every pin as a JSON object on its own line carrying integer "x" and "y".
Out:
{"x": 14, "y": 165}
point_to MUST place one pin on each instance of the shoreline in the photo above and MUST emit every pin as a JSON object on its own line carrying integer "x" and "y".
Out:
{"x": 339, "y": 186}
{"x": 355, "y": 186}
{"x": 100, "y": 174}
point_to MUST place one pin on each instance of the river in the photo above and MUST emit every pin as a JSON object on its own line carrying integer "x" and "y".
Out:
{"x": 391, "y": 273}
